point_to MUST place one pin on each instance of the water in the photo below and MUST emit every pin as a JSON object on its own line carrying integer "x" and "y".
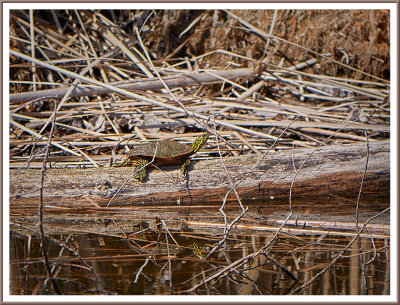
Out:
{"x": 151, "y": 262}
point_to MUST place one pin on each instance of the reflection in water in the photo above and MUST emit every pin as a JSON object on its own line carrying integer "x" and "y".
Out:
{"x": 158, "y": 262}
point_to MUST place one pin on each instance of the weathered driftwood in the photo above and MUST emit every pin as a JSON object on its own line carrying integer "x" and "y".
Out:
{"x": 180, "y": 80}
{"x": 335, "y": 169}
{"x": 75, "y": 199}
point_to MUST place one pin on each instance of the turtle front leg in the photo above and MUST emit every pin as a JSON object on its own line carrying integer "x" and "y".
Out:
{"x": 184, "y": 167}
{"x": 140, "y": 169}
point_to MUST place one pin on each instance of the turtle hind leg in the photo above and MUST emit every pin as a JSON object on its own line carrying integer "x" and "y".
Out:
{"x": 140, "y": 169}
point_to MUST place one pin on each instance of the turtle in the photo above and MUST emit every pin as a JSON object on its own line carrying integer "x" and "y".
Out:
{"x": 166, "y": 152}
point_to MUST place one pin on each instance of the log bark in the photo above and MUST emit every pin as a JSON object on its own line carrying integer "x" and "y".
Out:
{"x": 335, "y": 169}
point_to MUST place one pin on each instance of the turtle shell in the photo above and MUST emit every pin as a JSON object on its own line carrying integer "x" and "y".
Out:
{"x": 167, "y": 152}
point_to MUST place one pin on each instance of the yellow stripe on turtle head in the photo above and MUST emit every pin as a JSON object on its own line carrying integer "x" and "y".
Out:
{"x": 200, "y": 142}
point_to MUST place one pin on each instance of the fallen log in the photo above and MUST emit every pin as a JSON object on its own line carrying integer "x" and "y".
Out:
{"x": 335, "y": 169}
{"x": 75, "y": 200}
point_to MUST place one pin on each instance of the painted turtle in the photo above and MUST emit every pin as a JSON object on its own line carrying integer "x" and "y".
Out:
{"x": 165, "y": 152}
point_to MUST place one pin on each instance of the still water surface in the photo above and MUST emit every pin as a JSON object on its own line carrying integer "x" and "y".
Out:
{"x": 151, "y": 262}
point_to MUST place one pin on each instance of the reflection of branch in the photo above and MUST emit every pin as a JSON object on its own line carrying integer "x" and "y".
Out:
{"x": 169, "y": 262}
{"x": 361, "y": 256}
{"x": 167, "y": 231}
{"x": 140, "y": 270}
{"x": 295, "y": 230}
{"x": 72, "y": 251}
{"x": 283, "y": 268}
{"x": 374, "y": 253}
{"x": 256, "y": 284}
{"x": 363, "y": 265}
{"x": 357, "y": 237}
{"x": 226, "y": 233}
{"x": 239, "y": 262}
{"x": 233, "y": 188}
{"x": 222, "y": 271}
{"x": 227, "y": 228}
{"x": 337, "y": 256}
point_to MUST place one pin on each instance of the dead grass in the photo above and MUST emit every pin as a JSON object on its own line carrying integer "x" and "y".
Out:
{"x": 328, "y": 67}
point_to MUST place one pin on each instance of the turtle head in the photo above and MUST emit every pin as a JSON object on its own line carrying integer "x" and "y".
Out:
{"x": 199, "y": 142}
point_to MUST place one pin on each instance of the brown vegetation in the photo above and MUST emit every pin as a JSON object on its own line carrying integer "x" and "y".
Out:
{"x": 87, "y": 85}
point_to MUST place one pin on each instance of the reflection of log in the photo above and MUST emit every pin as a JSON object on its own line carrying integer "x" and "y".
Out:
{"x": 335, "y": 170}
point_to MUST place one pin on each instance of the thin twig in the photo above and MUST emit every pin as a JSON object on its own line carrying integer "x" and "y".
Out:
{"x": 338, "y": 256}
{"x": 362, "y": 264}
{"x": 41, "y": 206}
{"x": 137, "y": 169}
